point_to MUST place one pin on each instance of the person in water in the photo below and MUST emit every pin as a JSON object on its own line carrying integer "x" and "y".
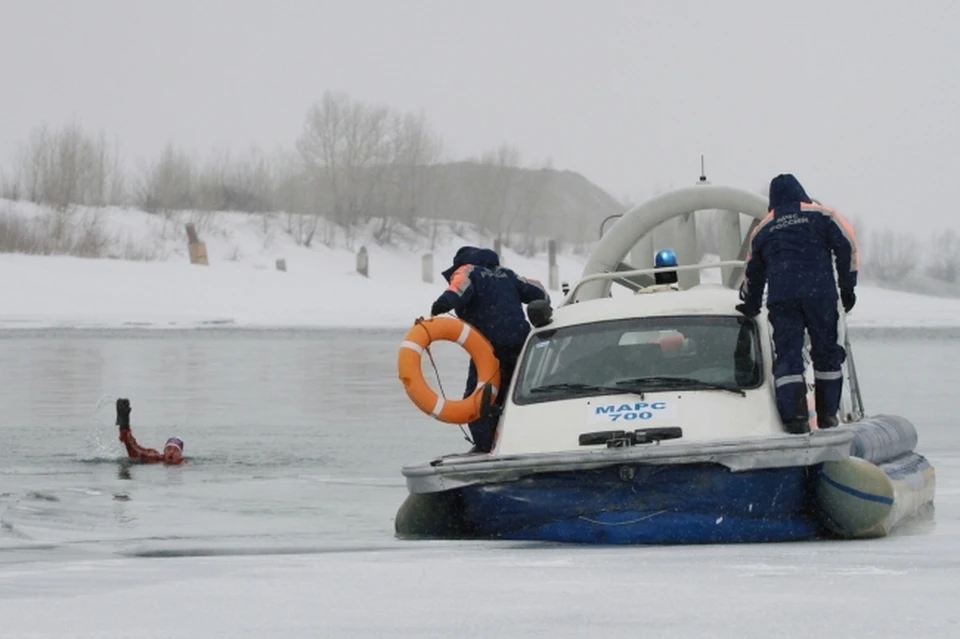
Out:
{"x": 172, "y": 450}
{"x": 490, "y": 298}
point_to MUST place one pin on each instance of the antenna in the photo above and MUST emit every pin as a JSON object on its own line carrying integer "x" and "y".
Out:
{"x": 703, "y": 172}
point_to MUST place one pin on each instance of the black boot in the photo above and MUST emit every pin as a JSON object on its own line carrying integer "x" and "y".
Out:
{"x": 797, "y": 426}
{"x": 123, "y": 414}
{"x": 482, "y": 439}
{"x": 824, "y": 419}
{"x": 800, "y": 423}
{"x": 483, "y": 429}
{"x": 827, "y": 421}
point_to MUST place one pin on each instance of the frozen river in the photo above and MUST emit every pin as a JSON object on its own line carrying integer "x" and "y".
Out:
{"x": 282, "y": 524}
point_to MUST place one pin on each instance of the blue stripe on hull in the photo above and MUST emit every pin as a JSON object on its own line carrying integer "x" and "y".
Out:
{"x": 880, "y": 499}
{"x": 695, "y": 503}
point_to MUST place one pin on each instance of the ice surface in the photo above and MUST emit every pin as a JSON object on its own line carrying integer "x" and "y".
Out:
{"x": 883, "y": 588}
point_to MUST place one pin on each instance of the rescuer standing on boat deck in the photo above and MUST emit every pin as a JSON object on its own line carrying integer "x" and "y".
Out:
{"x": 793, "y": 250}
{"x": 490, "y": 298}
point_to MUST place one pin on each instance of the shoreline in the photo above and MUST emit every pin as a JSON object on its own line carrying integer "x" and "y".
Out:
{"x": 13, "y": 332}
{"x": 319, "y": 288}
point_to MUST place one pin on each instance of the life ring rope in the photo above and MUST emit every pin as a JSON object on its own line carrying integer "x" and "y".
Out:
{"x": 437, "y": 405}
{"x": 413, "y": 345}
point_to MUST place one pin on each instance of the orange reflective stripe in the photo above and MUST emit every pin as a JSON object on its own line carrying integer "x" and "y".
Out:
{"x": 766, "y": 220}
{"x": 460, "y": 280}
{"x": 744, "y": 286}
{"x": 845, "y": 227}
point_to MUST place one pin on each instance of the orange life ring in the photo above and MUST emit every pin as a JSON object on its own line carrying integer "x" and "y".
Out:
{"x": 409, "y": 364}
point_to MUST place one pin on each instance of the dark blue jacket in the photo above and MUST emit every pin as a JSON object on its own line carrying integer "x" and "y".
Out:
{"x": 793, "y": 248}
{"x": 489, "y": 297}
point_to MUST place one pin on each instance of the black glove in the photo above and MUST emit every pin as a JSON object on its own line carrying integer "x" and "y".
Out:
{"x": 438, "y": 308}
{"x": 539, "y": 313}
{"x": 849, "y": 300}
{"x": 747, "y": 310}
{"x": 123, "y": 414}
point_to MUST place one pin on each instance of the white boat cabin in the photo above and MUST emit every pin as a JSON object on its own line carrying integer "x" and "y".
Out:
{"x": 682, "y": 358}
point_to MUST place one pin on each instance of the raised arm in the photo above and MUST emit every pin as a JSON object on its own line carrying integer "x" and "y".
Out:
{"x": 843, "y": 243}
{"x": 134, "y": 450}
{"x": 755, "y": 271}
{"x": 530, "y": 289}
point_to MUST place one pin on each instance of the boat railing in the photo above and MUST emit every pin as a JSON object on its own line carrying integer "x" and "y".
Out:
{"x": 618, "y": 275}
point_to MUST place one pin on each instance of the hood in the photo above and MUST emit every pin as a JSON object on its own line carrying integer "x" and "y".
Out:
{"x": 786, "y": 188}
{"x": 476, "y": 256}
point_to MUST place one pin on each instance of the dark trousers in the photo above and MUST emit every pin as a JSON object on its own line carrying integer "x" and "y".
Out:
{"x": 482, "y": 430}
{"x": 819, "y": 318}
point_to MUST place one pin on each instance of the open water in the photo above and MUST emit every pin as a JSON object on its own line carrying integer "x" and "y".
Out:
{"x": 296, "y": 439}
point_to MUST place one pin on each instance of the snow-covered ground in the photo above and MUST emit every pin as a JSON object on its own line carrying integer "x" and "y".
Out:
{"x": 242, "y": 287}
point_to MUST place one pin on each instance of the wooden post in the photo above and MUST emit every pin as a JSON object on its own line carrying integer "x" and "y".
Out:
{"x": 363, "y": 262}
{"x": 426, "y": 267}
{"x": 553, "y": 274}
{"x": 282, "y": 265}
{"x": 196, "y": 248}
{"x": 497, "y": 248}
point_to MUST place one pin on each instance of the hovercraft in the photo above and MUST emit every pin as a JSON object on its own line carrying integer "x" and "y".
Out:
{"x": 651, "y": 419}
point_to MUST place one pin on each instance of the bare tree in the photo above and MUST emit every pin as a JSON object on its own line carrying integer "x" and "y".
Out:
{"x": 437, "y": 191}
{"x": 944, "y": 256}
{"x": 9, "y": 186}
{"x": 212, "y": 185}
{"x": 167, "y": 184}
{"x": 292, "y": 192}
{"x": 891, "y": 256}
{"x": 254, "y": 180}
{"x": 417, "y": 147}
{"x": 495, "y": 186}
{"x": 353, "y": 163}
{"x": 527, "y": 216}
{"x": 66, "y": 167}
{"x": 32, "y": 160}
{"x": 116, "y": 176}
{"x": 346, "y": 147}
{"x": 69, "y": 168}
{"x": 859, "y": 227}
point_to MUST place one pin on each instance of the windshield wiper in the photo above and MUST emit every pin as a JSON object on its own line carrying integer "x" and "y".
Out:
{"x": 579, "y": 386}
{"x": 684, "y": 382}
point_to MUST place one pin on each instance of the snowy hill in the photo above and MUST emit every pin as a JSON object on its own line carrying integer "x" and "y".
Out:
{"x": 150, "y": 282}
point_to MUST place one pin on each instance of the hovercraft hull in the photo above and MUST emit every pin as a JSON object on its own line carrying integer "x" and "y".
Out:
{"x": 677, "y": 500}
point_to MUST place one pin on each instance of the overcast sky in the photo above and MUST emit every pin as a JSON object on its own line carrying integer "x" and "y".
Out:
{"x": 858, "y": 98}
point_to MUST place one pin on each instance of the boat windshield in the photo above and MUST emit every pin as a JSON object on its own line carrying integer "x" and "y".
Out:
{"x": 636, "y": 355}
